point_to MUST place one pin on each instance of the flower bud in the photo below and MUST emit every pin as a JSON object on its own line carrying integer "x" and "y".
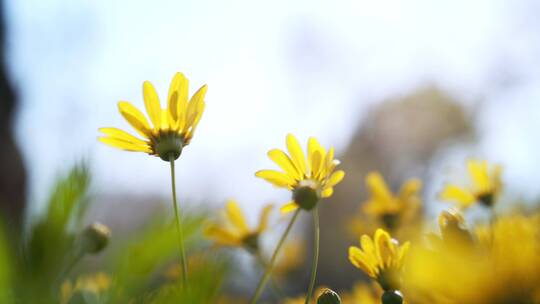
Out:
{"x": 392, "y": 297}
{"x": 306, "y": 195}
{"x": 328, "y": 296}
{"x": 94, "y": 238}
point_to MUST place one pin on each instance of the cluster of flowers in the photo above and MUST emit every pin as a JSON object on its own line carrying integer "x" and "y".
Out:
{"x": 493, "y": 262}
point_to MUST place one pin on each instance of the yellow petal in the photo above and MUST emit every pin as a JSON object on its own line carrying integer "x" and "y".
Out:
{"x": 151, "y": 101}
{"x": 335, "y": 178}
{"x": 496, "y": 179}
{"x": 316, "y": 164}
{"x": 295, "y": 151}
{"x": 330, "y": 163}
{"x": 327, "y": 192}
{"x": 124, "y": 145}
{"x": 402, "y": 252}
{"x": 410, "y": 188}
{"x": 457, "y": 194}
{"x": 359, "y": 260}
{"x": 175, "y": 94}
{"x": 478, "y": 171}
{"x": 288, "y": 207}
{"x": 194, "y": 105}
{"x": 383, "y": 247}
{"x": 315, "y": 146}
{"x": 123, "y": 135}
{"x": 276, "y": 178}
{"x": 222, "y": 236}
{"x": 236, "y": 217}
{"x": 135, "y": 118}
{"x": 284, "y": 162}
{"x": 377, "y": 186}
{"x": 263, "y": 219}
{"x": 191, "y": 131}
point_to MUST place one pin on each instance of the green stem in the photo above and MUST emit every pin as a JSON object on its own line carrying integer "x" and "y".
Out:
{"x": 315, "y": 261}
{"x": 183, "y": 261}
{"x": 275, "y": 286}
{"x": 266, "y": 275}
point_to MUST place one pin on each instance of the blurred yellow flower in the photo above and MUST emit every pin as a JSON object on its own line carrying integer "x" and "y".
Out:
{"x": 391, "y": 209}
{"x": 172, "y": 128}
{"x": 380, "y": 258}
{"x": 94, "y": 284}
{"x": 502, "y": 265}
{"x": 235, "y": 231}
{"x": 309, "y": 179}
{"x": 484, "y": 188}
{"x": 289, "y": 259}
{"x": 363, "y": 293}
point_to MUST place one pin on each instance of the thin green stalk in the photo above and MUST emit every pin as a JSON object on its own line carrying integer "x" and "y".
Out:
{"x": 275, "y": 286}
{"x": 266, "y": 275}
{"x": 315, "y": 261}
{"x": 183, "y": 261}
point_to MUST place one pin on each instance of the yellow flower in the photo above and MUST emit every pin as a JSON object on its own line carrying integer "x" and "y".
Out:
{"x": 486, "y": 185}
{"x": 380, "y": 258}
{"x": 389, "y": 208}
{"x": 289, "y": 259}
{"x": 309, "y": 180}
{"x": 236, "y": 231}
{"x": 172, "y": 128}
{"x": 501, "y": 265}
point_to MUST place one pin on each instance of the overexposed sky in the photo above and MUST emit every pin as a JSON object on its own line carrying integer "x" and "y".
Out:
{"x": 307, "y": 67}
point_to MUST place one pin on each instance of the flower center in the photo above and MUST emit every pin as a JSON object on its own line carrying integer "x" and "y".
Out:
{"x": 487, "y": 199}
{"x": 390, "y": 220}
{"x": 167, "y": 145}
{"x": 306, "y": 194}
{"x": 251, "y": 241}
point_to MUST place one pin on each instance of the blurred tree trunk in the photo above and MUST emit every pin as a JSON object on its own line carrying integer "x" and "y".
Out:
{"x": 12, "y": 173}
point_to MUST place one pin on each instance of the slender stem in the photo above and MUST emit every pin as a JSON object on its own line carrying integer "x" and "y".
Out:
{"x": 178, "y": 225}
{"x": 315, "y": 254}
{"x": 67, "y": 270}
{"x": 273, "y": 283}
{"x": 266, "y": 275}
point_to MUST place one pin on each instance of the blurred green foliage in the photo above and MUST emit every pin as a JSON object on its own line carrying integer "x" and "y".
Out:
{"x": 42, "y": 266}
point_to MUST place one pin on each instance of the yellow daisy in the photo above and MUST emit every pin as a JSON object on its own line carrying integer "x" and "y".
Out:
{"x": 386, "y": 206}
{"x": 486, "y": 185}
{"x": 380, "y": 258}
{"x": 172, "y": 127}
{"x": 236, "y": 232}
{"x": 309, "y": 179}
{"x": 453, "y": 232}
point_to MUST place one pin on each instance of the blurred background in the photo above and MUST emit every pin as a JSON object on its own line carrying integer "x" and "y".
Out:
{"x": 409, "y": 88}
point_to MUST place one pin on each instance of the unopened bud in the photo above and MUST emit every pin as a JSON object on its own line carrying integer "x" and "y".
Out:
{"x": 328, "y": 296}
{"x": 95, "y": 237}
{"x": 392, "y": 297}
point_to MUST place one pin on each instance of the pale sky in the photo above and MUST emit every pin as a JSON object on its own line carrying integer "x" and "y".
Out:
{"x": 306, "y": 67}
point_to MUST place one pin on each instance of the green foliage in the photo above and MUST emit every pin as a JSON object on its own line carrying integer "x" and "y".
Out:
{"x": 139, "y": 268}
{"x": 49, "y": 251}
{"x": 52, "y": 234}
{"x": 139, "y": 264}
